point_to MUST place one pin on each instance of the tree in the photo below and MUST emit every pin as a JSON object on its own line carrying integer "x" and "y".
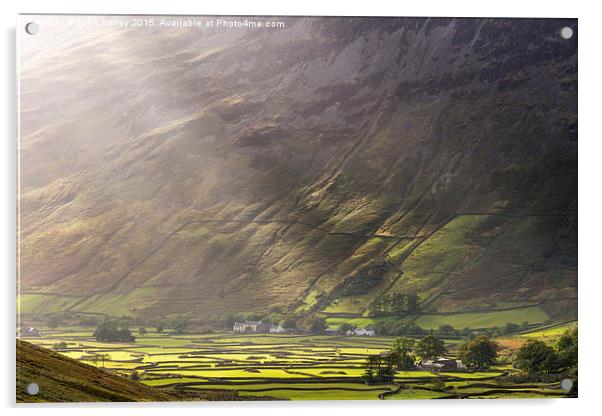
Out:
{"x": 437, "y": 385}
{"x": 59, "y": 346}
{"x": 343, "y": 328}
{"x": 387, "y": 368}
{"x": 95, "y": 358}
{"x": 430, "y": 347}
{"x": 135, "y": 376}
{"x": 466, "y": 332}
{"x": 481, "y": 352}
{"x": 142, "y": 331}
{"x": 290, "y": 322}
{"x": 113, "y": 331}
{"x": 180, "y": 327}
{"x": 447, "y": 330}
{"x": 567, "y": 346}
{"x": 54, "y": 321}
{"x": 535, "y": 356}
{"x": 319, "y": 325}
{"x": 510, "y": 328}
{"x": 230, "y": 321}
{"x": 159, "y": 328}
{"x": 371, "y": 369}
{"x": 403, "y": 351}
{"x": 396, "y": 303}
{"x": 104, "y": 358}
{"x": 380, "y": 368}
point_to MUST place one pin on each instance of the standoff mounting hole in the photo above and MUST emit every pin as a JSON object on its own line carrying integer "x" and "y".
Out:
{"x": 566, "y": 384}
{"x": 32, "y": 389}
{"x": 566, "y": 32}
{"x": 32, "y": 28}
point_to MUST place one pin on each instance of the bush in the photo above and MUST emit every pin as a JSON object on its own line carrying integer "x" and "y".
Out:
{"x": 536, "y": 357}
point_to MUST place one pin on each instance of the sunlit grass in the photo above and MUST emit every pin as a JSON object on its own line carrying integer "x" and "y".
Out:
{"x": 326, "y": 367}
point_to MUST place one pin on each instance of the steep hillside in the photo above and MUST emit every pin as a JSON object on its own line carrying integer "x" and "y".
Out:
{"x": 62, "y": 379}
{"x": 314, "y": 167}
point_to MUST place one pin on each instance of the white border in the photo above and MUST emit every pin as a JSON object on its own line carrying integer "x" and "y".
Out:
{"x": 590, "y": 219}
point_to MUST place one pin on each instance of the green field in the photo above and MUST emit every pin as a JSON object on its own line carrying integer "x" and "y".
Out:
{"x": 551, "y": 331}
{"x": 474, "y": 320}
{"x": 292, "y": 367}
{"x": 490, "y": 319}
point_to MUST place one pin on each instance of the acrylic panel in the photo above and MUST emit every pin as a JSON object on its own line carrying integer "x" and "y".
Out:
{"x": 296, "y": 208}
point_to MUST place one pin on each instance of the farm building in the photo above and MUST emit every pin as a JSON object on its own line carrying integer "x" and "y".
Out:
{"x": 252, "y": 326}
{"x": 28, "y": 332}
{"x": 277, "y": 329}
{"x": 361, "y": 332}
{"x": 442, "y": 364}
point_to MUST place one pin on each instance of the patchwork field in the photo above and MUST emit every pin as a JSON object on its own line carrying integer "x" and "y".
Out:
{"x": 292, "y": 367}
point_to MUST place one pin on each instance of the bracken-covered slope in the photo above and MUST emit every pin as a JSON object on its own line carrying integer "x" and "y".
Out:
{"x": 313, "y": 167}
{"x": 62, "y": 379}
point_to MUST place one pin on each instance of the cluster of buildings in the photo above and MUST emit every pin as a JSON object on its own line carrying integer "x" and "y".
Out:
{"x": 442, "y": 364}
{"x": 257, "y": 326}
{"x": 27, "y": 331}
{"x": 365, "y": 332}
{"x": 265, "y": 328}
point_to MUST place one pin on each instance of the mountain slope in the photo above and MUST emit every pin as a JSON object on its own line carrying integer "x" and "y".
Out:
{"x": 315, "y": 167}
{"x": 63, "y": 379}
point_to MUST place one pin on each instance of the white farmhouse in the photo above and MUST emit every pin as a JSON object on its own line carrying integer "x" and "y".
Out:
{"x": 364, "y": 332}
{"x": 252, "y": 326}
{"x": 277, "y": 329}
{"x": 361, "y": 332}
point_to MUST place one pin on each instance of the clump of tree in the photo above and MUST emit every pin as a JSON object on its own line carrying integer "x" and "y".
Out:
{"x": 54, "y": 321}
{"x": 99, "y": 358}
{"x": 430, "y": 347}
{"x": 537, "y": 357}
{"x": 180, "y": 326}
{"x": 59, "y": 346}
{"x": 395, "y": 327}
{"x": 318, "y": 325}
{"x": 447, "y": 331}
{"x": 367, "y": 278}
{"x": 396, "y": 304}
{"x": 567, "y": 348}
{"x": 290, "y": 322}
{"x": 113, "y": 331}
{"x": 380, "y": 369}
{"x": 345, "y": 327}
{"x": 403, "y": 351}
{"x": 479, "y": 353}
{"x": 402, "y": 357}
{"x": 511, "y": 328}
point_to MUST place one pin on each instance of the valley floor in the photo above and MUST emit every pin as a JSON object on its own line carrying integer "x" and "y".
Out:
{"x": 290, "y": 367}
